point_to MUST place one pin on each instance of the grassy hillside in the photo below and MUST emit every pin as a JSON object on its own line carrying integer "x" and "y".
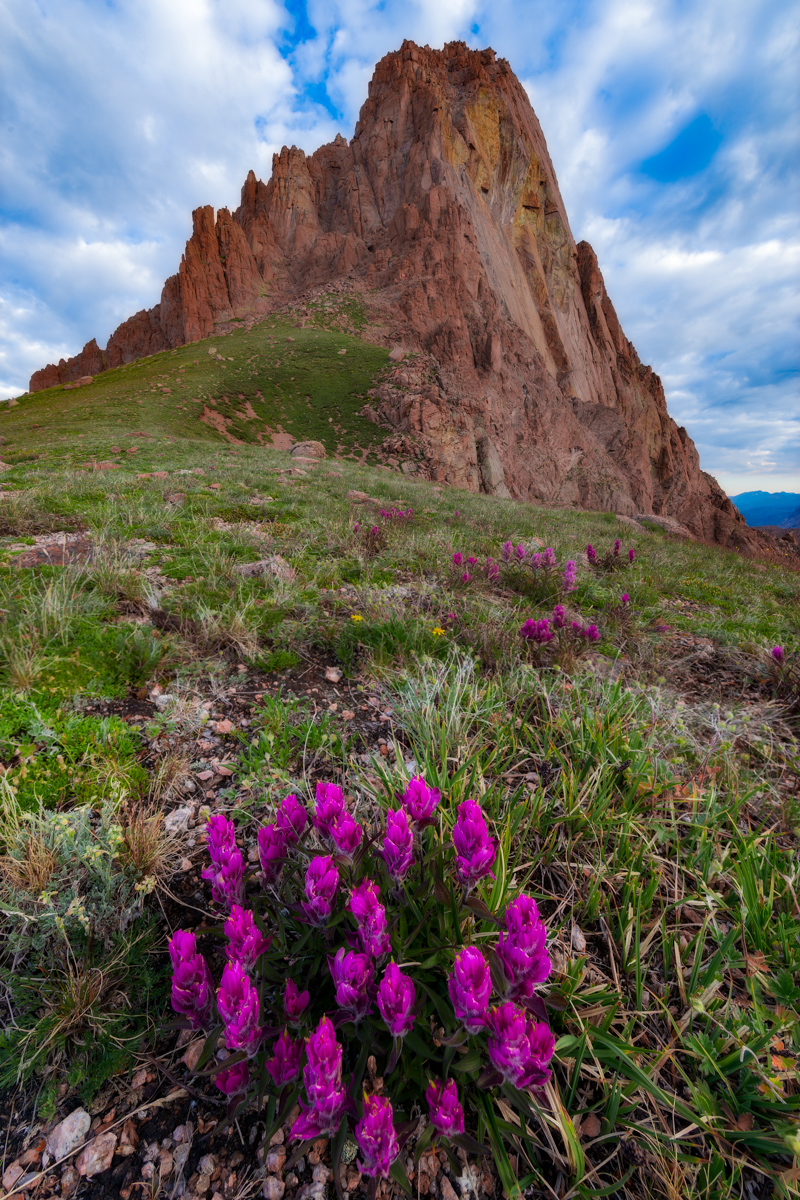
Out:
{"x": 646, "y": 782}
{"x": 249, "y": 384}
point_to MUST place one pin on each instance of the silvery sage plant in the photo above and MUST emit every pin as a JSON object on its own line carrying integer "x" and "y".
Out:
{"x": 352, "y": 942}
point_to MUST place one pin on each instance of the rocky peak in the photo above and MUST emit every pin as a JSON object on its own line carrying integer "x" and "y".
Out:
{"x": 445, "y": 212}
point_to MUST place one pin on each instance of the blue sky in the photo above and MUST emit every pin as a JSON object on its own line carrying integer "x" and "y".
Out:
{"x": 672, "y": 125}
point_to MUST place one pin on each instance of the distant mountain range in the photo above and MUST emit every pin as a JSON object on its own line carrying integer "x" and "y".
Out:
{"x": 769, "y": 508}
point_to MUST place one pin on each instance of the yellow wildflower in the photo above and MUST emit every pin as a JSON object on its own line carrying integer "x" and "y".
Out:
{"x": 356, "y": 617}
{"x": 437, "y": 631}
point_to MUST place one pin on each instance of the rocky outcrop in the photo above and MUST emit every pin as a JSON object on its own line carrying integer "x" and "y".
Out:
{"x": 445, "y": 213}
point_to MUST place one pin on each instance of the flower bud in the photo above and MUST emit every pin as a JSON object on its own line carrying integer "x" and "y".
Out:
{"x": 475, "y": 850}
{"x": 246, "y": 942}
{"x": 352, "y": 975}
{"x": 470, "y": 987}
{"x": 330, "y": 806}
{"x": 396, "y": 996}
{"x": 295, "y": 1002}
{"x": 447, "y": 1115}
{"x": 420, "y": 801}
{"x": 398, "y": 844}
{"x": 284, "y": 1066}
{"x": 233, "y": 1080}
{"x": 519, "y": 1048}
{"x": 376, "y": 1138}
{"x": 291, "y": 819}
{"x": 271, "y": 851}
{"x": 321, "y": 883}
{"x": 238, "y": 1004}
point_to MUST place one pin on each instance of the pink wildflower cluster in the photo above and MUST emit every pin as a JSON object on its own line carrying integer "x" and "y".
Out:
{"x": 397, "y": 515}
{"x": 466, "y": 567}
{"x": 569, "y": 633}
{"x": 519, "y": 1049}
{"x": 326, "y": 911}
{"x": 612, "y": 560}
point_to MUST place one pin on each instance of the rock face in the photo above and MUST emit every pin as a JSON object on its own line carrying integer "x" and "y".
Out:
{"x": 445, "y": 212}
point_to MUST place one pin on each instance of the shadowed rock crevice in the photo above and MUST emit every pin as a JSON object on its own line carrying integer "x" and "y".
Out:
{"x": 444, "y": 212}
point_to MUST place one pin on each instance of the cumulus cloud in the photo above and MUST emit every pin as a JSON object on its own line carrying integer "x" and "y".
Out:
{"x": 125, "y": 117}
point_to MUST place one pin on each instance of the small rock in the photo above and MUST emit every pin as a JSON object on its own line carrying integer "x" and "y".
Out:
{"x": 192, "y": 1055}
{"x": 333, "y": 674}
{"x": 396, "y": 355}
{"x": 590, "y": 1126}
{"x": 164, "y": 1164}
{"x": 11, "y": 1176}
{"x": 447, "y": 1190}
{"x": 207, "y": 1164}
{"x": 578, "y": 940}
{"x": 308, "y": 450}
{"x": 224, "y": 726}
{"x": 276, "y": 1159}
{"x": 273, "y": 1188}
{"x": 278, "y": 1137}
{"x": 68, "y": 1134}
{"x": 274, "y": 565}
{"x": 178, "y": 820}
{"x": 69, "y": 1181}
{"x": 97, "y": 1155}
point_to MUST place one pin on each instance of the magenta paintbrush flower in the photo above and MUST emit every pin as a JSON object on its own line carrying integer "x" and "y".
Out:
{"x": 233, "y": 1080}
{"x": 226, "y": 876}
{"x": 370, "y": 915}
{"x": 396, "y": 996}
{"x": 193, "y": 990}
{"x": 220, "y": 836}
{"x": 458, "y": 558}
{"x": 537, "y": 631}
{"x": 295, "y": 1002}
{"x": 321, "y": 883}
{"x": 420, "y": 801}
{"x": 287, "y": 1055}
{"x": 570, "y": 573}
{"x": 376, "y": 1138}
{"x": 345, "y": 833}
{"x": 291, "y": 819}
{"x": 322, "y": 1075}
{"x": 271, "y": 851}
{"x": 519, "y": 1048}
{"x": 631, "y": 555}
{"x": 549, "y": 558}
{"x": 591, "y": 554}
{"x": 624, "y": 599}
{"x": 237, "y": 1001}
{"x": 246, "y": 942}
{"x": 182, "y": 947}
{"x": 617, "y": 547}
{"x": 330, "y": 806}
{"x": 522, "y": 948}
{"x": 470, "y": 987}
{"x": 559, "y": 617}
{"x": 352, "y": 974}
{"x": 398, "y": 844}
{"x": 475, "y": 850}
{"x": 778, "y": 655}
{"x": 447, "y": 1115}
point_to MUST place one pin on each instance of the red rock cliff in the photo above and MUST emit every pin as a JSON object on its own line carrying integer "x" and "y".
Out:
{"x": 444, "y": 208}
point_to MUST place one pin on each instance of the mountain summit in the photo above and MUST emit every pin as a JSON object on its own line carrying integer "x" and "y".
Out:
{"x": 443, "y": 213}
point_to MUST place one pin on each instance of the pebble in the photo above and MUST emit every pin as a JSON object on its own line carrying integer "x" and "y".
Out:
{"x": 97, "y": 1155}
{"x": 69, "y": 1133}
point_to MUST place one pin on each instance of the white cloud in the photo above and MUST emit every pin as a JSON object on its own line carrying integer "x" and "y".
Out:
{"x": 123, "y": 118}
